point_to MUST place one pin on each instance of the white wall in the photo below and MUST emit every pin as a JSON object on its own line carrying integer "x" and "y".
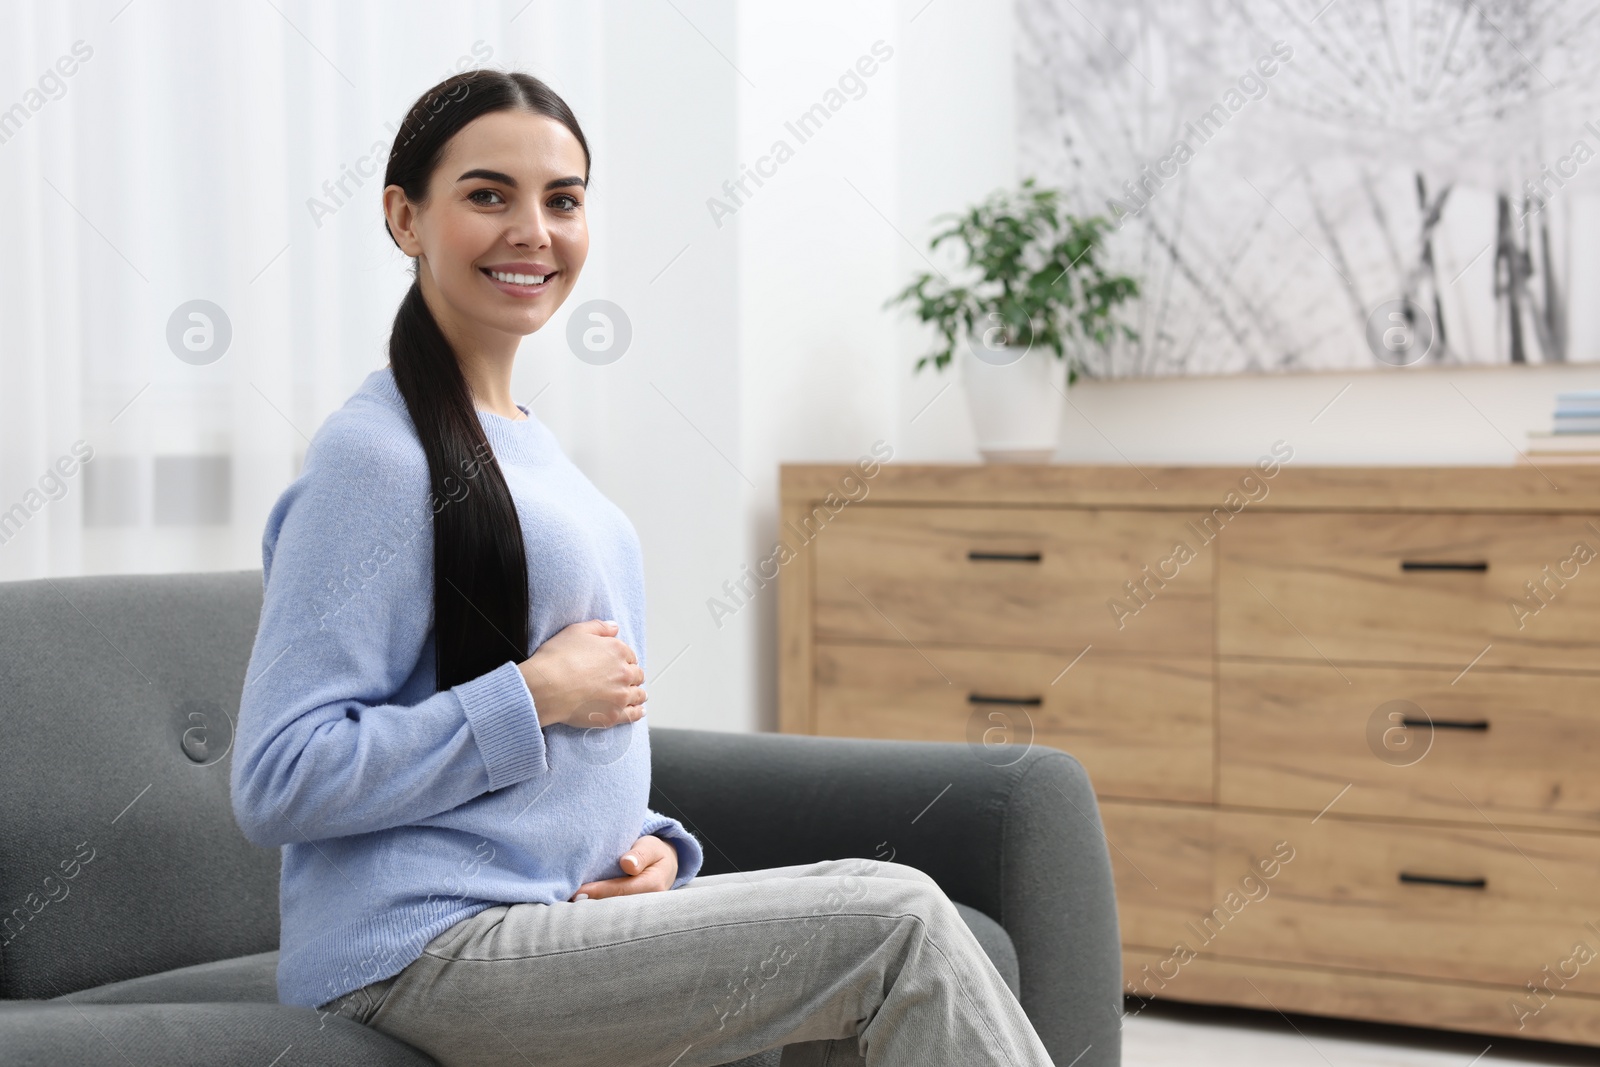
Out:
{"x": 665, "y": 440}
{"x": 839, "y": 227}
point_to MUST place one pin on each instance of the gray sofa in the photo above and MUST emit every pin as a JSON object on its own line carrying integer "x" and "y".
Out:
{"x": 140, "y": 927}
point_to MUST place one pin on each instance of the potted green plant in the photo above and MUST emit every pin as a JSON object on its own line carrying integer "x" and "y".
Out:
{"x": 1036, "y": 294}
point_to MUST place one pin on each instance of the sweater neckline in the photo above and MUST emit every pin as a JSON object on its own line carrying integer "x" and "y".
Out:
{"x": 511, "y": 439}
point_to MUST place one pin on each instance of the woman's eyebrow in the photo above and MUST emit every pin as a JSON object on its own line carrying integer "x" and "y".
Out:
{"x": 490, "y": 175}
{"x": 506, "y": 179}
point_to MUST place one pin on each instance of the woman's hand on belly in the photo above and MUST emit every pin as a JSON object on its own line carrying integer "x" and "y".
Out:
{"x": 650, "y": 866}
{"x": 585, "y": 677}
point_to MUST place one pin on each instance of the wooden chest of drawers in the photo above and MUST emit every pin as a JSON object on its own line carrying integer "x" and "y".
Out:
{"x": 1343, "y": 722}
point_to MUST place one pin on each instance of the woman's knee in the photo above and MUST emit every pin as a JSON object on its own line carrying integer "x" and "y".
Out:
{"x": 905, "y": 880}
{"x": 912, "y": 891}
{"x": 875, "y": 883}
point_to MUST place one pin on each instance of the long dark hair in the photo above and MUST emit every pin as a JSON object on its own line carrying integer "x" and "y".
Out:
{"x": 480, "y": 566}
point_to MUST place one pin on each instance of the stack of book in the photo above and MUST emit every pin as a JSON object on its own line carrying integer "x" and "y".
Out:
{"x": 1575, "y": 433}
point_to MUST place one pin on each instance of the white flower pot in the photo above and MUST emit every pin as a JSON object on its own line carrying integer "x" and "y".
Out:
{"x": 1015, "y": 407}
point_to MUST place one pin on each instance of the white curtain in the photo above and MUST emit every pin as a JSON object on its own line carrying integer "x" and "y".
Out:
{"x": 157, "y": 153}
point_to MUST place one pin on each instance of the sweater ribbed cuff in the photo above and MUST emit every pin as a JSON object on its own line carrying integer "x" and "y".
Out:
{"x": 505, "y": 724}
{"x": 690, "y": 854}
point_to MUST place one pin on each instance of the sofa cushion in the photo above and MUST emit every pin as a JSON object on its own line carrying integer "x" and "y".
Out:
{"x": 48, "y": 1033}
{"x": 122, "y": 857}
{"x": 243, "y": 979}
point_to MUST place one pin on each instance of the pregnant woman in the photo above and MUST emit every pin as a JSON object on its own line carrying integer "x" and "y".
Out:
{"x": 443, "y": 720}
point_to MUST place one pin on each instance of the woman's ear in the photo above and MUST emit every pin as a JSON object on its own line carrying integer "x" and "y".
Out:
{"x": 402, "y": 217}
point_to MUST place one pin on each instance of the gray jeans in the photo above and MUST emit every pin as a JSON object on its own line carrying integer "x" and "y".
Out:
{"x": 844, "y": 962}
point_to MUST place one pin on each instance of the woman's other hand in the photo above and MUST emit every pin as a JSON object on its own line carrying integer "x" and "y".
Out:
{"x": 586, "y": 677}
{"x": 650, "y": 866}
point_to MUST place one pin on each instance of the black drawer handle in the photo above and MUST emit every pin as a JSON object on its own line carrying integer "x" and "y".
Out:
{"x": 1443, "y": 565}
{"x": 1010, "y": 557}
{"x": 1447, "y": 724}
{"x": 980, "y": 698}
{"x": 1456, "y": 883}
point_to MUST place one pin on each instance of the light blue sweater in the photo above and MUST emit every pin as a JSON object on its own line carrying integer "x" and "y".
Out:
{"x": 402, "y": 810}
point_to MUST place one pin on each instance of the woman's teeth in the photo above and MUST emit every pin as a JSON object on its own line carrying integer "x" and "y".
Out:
{"x": 519, "y": 279}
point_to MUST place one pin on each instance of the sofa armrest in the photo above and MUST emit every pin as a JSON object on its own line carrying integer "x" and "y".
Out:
{"x": 1021, "y": 843}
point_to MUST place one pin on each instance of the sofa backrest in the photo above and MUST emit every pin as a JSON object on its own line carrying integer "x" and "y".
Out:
{"x": 119, "y": 854}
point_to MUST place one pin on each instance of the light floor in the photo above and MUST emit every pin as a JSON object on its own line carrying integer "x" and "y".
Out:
{"x": 1187, "y": 1035}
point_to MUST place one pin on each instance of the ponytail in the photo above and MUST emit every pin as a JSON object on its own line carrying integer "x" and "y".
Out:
{"x": 480, "y": 566}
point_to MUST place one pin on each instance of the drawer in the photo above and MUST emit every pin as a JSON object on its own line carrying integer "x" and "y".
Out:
{"x": 1372, "y": 997}
{"x": 1407, "y": 899}
{"x": 1513, "y": 747}
{"x": 1043, "y": 578}
{"x": 1161, "y": 864}
{"x": 1142, "y": 728}
{"x": 1425, "y": 588}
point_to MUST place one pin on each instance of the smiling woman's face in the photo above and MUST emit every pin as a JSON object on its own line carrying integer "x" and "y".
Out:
{"x": 505, "y": 206}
